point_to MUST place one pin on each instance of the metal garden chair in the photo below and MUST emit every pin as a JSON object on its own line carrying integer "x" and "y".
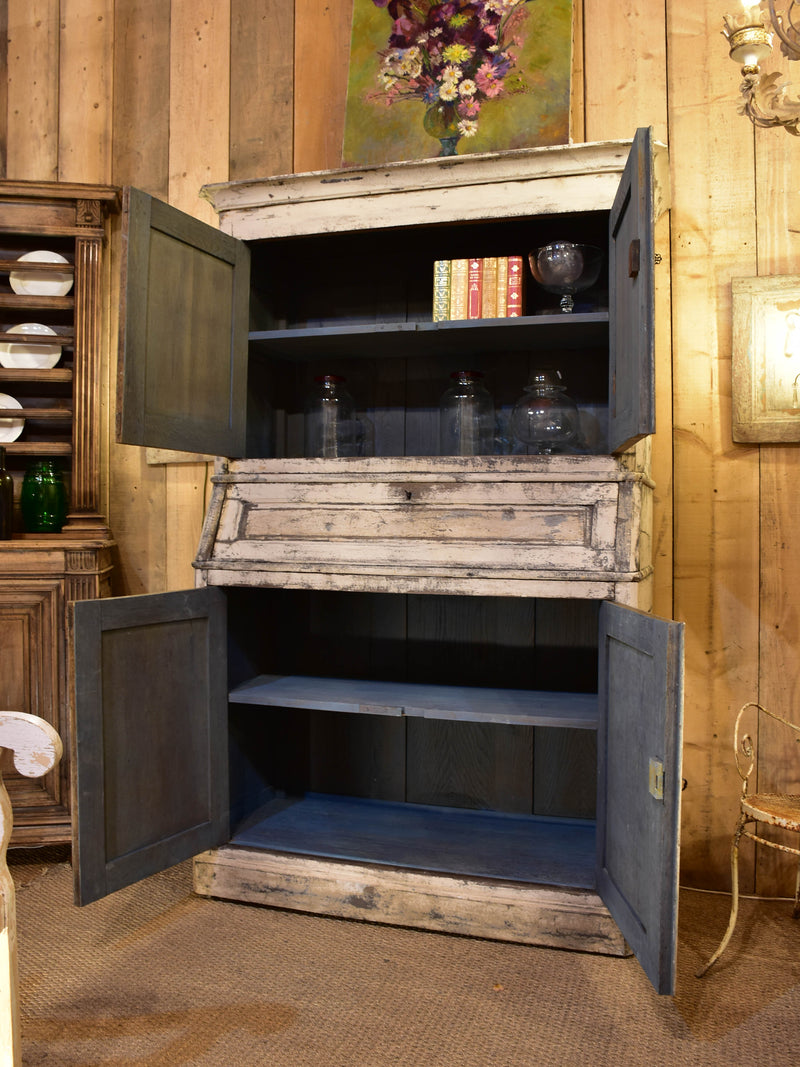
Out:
{"x": 774, "y": 809}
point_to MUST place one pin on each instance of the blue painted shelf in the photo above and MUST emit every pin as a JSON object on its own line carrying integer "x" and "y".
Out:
{"x": 456, "y": 338}
{"x": 475, "y": 844}
{"x": 519, "y": 707}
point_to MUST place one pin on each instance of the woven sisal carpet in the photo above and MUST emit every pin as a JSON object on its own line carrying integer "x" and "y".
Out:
{"x": 154, "y": 975}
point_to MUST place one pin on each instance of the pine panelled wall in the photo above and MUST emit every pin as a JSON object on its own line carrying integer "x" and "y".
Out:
{"x": 169, "y": 95}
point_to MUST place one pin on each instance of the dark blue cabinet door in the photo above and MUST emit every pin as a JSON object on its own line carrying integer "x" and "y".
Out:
{"x": 639, "y": 782}
{"x": 150, "y": 735}
{"x": 183, "y": 331}
{"x": 631, "y": 276}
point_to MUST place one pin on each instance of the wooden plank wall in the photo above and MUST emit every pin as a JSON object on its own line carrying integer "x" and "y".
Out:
{"x": 167, "y": 95}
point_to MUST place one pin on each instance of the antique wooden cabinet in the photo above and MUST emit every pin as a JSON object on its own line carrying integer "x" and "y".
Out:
{"x": 409, "y": 687}
{"x": 50, "y": 413}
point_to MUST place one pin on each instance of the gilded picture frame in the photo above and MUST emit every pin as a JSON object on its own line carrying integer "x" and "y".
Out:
{"x": 765, "y": 370}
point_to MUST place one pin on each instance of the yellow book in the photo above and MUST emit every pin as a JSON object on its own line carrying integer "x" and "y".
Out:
{"x": 489, "y": 294}
{"x": 502, "y": 287}
{"x": 459, "y": 274}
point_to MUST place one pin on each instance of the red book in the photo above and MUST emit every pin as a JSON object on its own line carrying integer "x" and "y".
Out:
{"x": 474, "y": 288}
{"x": 514, "y": 289}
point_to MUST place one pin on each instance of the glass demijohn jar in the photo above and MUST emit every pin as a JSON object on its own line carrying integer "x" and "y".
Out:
{"x": 466, "y": 417}
{"x": 44, "y": 498}
{"x": 331, "y": 428}
{"x": 6, "y": 499}
{"x": 545, "y": 418}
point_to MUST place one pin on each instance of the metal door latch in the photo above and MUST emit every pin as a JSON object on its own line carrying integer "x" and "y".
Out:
{"x": 656, "y": 779}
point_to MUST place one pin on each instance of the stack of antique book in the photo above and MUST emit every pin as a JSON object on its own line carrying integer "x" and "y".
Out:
{"x": 489, "y": 288}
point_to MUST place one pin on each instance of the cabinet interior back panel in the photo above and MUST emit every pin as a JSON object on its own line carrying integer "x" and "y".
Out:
{"x": 398, "y": 399}
{"x": 392, "y": 642}
{"x": 387, "y": 276}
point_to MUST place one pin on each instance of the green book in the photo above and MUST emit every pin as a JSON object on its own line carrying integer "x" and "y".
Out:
{"x": 441, "y": 290}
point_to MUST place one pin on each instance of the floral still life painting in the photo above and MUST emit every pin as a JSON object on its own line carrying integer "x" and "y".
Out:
{"x": 432, "y": 78}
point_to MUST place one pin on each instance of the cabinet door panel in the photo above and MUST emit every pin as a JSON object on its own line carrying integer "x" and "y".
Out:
{"x": 641, "y": 702}
{"x": 183, "y": 331}
{"x": 151, "y": 752}
{"x": 631, "y": 277}
{"x": 31, "y": 667}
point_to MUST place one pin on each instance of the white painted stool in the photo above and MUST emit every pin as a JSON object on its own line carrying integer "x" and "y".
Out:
{"x": 37, "y": 749}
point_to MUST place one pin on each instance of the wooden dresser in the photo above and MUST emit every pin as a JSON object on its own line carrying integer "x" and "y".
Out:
{"x": 40, "y": 574}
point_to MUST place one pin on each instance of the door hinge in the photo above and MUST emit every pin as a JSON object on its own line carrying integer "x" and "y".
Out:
{"x": 656, "y": 779}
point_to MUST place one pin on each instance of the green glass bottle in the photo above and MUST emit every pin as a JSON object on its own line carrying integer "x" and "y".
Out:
{"x": 6, "y": 499}
{"x": 44, "y": 498}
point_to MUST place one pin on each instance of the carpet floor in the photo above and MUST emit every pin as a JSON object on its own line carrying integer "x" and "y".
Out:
{"x": 155, "y": 975}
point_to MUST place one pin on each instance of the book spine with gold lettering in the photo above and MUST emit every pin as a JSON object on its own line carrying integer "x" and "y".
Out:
{"x": 459, "y": 269}
{"x": 474, "y": 288}
{"x": 489, "y": 296}
{"x": 514, "y": 287}
{"x": 502, "y": 287}
{"x": 441, "y": 290}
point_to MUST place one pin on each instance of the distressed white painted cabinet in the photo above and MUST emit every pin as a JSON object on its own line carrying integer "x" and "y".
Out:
{"x": 412, "y": 688}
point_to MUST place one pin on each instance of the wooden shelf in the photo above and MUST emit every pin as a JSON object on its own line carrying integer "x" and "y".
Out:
{"x": 38, "y": 448}
{"x": 16, "y": 300}
{"x": 54, "y": 414}
{"x": 458, "y": 338}
{"x": 479, "y": 844}
{"x": 39, "y": 266}
{"x": 34, "y": 374}
{"x": 520, "y": 707}
{"x": 38, "y": 339}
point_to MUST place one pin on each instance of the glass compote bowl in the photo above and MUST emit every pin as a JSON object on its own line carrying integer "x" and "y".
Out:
{"x": 566, "y": 268}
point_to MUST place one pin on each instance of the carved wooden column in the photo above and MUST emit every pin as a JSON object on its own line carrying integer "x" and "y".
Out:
{"x": 84, "y": 517}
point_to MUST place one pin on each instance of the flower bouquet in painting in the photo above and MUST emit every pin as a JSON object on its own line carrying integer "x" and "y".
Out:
{"x": 445, "y": 70}
{"x": 453, "y": 57}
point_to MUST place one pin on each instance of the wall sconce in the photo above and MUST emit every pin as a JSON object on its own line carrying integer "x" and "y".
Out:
{"x": 749, "y": 34}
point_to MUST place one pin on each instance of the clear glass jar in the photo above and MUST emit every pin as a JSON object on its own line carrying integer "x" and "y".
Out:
{"x": 545, "y": 418}
{"x": 332, "y": 427}
{"x": 466, "y": 417}
{"x": 43, "y": 499}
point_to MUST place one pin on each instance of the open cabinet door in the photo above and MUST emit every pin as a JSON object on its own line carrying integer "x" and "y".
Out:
{"x": 631, "y": 277}
{"x": 639, "y": 783}
{"x": 183, "y": 331}
{"x": 150, "y": 760}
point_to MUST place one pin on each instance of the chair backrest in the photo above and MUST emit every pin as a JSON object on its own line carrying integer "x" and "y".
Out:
{"x": 744, "y": 747}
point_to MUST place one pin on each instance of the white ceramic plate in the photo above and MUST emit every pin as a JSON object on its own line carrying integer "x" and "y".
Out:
{"x": 10, "y": 429}
{"x": 41, "y": 283}
{"x": 27, "y": 354}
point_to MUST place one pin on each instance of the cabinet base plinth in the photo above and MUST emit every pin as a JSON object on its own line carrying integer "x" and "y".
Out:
{"x": 41, "y": 833}
{"x": 574, "y": 919}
